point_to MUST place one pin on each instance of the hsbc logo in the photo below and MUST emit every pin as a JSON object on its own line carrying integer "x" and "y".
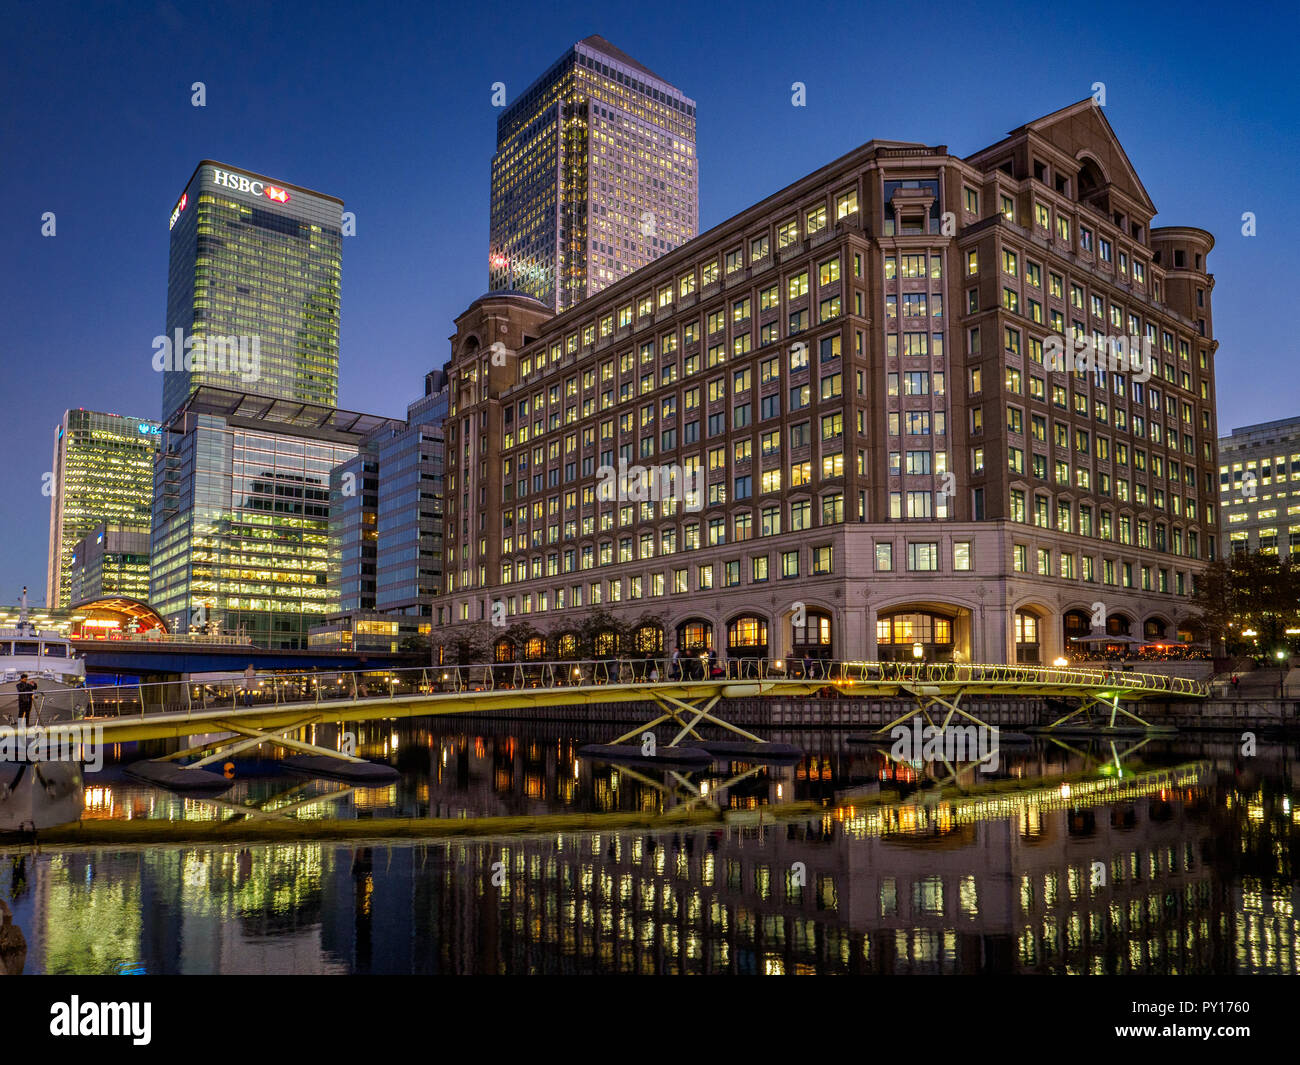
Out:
{"x": 242, "y": 183}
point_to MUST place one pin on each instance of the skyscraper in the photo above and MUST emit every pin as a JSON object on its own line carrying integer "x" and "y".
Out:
{"x": 253, "y": 283}
{"x": 102, "y": 472}
{"x": 241, "y": 536}
{"x": 594, "y": 176}
{"x": 111, "y": 560}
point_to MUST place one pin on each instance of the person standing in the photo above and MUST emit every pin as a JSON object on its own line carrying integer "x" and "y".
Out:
{"x": 24, "y": 688}
{"x": 675, "y": 669}
{"x": 250, "y": 677}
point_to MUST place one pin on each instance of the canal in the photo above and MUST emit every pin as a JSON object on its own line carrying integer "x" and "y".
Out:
{"x": 1183, "y": 867}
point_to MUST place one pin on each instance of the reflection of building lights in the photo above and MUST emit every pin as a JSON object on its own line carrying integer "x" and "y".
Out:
{"x": 1065, "y": 791}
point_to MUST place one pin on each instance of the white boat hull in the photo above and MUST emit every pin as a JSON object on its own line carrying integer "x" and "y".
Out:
{"x": 37, "y": 795}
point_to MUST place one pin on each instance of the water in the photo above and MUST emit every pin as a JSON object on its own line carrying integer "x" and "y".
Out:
{"x": 1189, "y": 872}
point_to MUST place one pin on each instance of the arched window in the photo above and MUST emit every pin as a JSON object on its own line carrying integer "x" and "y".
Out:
{"x": 747, "y": 637}
{"x": 606, "y": 643}
{"x": 899, "y": 635}
{"x": 535, "y": 649}
{"x": 566, "y": 646}
{"x": 694, "y": 636}
{"x": 813, "y": 637}
{"x": 1027, "y": 637}
{"x": 648, "y": 639}
{"x": 503, "y": 650}
{"x": 1118, "y": 624}
{"x": 1154, "y": 629}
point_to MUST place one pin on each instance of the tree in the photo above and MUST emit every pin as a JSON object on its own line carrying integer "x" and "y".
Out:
{"x": 1257, "y": 593}
{"x": 593, "y": 625}
{"x": 463, "y": 645}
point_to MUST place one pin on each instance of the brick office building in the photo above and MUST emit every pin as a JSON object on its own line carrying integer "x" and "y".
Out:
{"x": 856, "y": 367}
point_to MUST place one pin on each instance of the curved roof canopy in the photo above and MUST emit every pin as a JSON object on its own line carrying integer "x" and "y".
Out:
{"x": 123, "y": 609}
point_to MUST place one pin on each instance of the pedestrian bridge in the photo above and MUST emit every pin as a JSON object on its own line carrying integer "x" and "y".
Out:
{"x": 282, "y": 702}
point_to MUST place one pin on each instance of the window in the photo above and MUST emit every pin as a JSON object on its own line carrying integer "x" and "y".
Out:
{"x": 923, "y": 556}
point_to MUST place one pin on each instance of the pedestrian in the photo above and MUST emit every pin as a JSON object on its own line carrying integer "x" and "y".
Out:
{"x": 675, "y": 668}
{"x": 654, "y": 673}
{"x": 1235, "y": 682}
{"x": 250, "y": 676}
{"x": 24, "y": 688}
{"x": 713, "y": 663}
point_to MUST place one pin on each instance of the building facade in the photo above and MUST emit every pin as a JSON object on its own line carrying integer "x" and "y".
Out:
{"x": 1260, "y": 511}
{"x": 253, "y": 285}
{"x": 241, "y": 530}
{"x": 876, "y": 389}
{"x": 241, "y": 534}
{"x": 111, "y": 561}
{"x": 594, "y": 176}
{"x": 409, "y": 561}
{"x": 354, "y": 538}
{"x": 102, "y": 472}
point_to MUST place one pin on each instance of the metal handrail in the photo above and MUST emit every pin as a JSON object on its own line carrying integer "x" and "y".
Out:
{"x": 277, "y": 689}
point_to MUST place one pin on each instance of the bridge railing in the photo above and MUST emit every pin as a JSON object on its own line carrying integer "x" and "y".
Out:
{"x": 140, "y": 700}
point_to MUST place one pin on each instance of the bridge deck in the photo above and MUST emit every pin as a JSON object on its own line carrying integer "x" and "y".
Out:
{"x": 277, "y": 702}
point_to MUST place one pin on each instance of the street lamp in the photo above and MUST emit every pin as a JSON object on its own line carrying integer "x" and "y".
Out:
{"x": 918, "y": 651}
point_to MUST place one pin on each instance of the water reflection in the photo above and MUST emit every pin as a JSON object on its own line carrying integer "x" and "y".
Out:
{"x": 1189, "y": 872}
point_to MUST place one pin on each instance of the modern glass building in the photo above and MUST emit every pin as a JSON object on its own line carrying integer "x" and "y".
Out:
{"x": 1261, "y": 510}
{"x": 354, "y": 510}
{"x": 253, "y": 285}
{"x": 111, "y": 561}
{"x": 594, "y": 176}
{"x": 241, "y": 534}
{"x": 409, "y": 558}
{"x": 102, "y": 472}
{"x": 241, "y": 530}
{"x": 386, "y": 520}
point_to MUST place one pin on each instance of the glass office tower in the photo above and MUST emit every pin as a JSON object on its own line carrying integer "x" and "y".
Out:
{"x": 253, "y": 285}
{"x": 102, "y": 471}
{"x": 242, "y": 515}
{"x": 594, "y": 176}
{"x": 241, "y": 536}
{"x": 109, "y": 561}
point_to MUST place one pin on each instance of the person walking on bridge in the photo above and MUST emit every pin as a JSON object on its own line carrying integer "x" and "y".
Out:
{"x": 250, "y": 678}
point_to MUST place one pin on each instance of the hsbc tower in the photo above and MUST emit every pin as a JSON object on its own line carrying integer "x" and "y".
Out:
{"x": 250, "y": 365}
{"x": 259, "y": 260}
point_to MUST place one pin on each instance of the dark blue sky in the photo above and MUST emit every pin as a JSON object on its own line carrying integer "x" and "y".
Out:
{"x": 388, "y": 107}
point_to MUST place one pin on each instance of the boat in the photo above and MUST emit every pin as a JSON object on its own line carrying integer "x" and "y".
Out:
{"x": 36, "y": 794}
